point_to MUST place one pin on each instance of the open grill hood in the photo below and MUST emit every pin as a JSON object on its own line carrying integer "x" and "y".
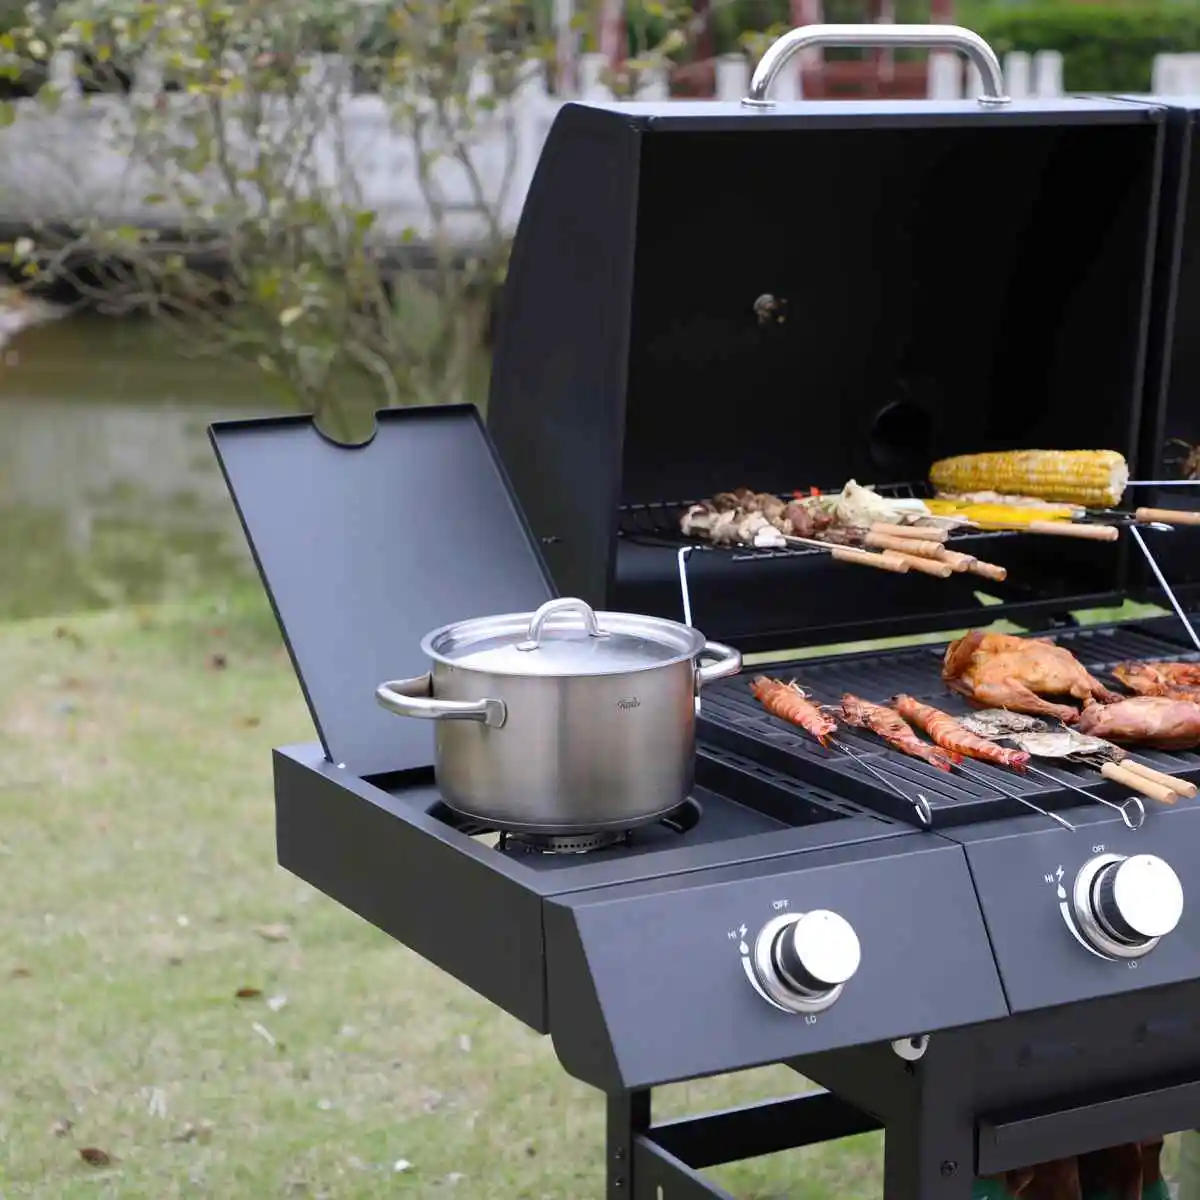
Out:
{"x": 703, "y": 297}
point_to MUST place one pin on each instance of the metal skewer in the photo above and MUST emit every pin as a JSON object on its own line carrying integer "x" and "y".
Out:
{"x": 1133, "y": 811}
{"x": 983, "y": 779}
{"x": 1135, "y": 533}
{"x": 924, "y": 812}
{"x": 682, "y": 557}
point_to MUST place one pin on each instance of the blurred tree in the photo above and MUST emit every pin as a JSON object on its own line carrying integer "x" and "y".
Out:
{"x": 248, "y": 153}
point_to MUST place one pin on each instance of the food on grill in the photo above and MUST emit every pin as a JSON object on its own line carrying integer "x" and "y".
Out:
{"x": 1177, "y": 681}
{"x": 951, "y": 500}
{"x": 730, "y": 526}
{"x": 1000, "y": 722}
{"x": 890, "y": 726}
{"x": 1065, "y": 743}
{"x": 788, "y": 702}
{"x": 998, "y": 670}
{"x": 859, "y": 507}
{"x": 1095, "y": 478}
{"x": 1001, "y": 513}
{"x": 1155, "y": 721}
{"x": 944, "y": 731}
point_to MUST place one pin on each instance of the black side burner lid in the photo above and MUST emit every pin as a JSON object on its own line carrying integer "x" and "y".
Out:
{"x": 364, "y": 550}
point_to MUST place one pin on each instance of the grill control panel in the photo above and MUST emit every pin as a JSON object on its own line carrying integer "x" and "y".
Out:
{"x": 1097, "y": 912}
{"x": 800, "y": 963}
{"x": 1123, "y": 905}
{"x": 767, "y": 961}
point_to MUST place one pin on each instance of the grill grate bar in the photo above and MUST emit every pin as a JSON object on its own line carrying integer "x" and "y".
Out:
{"x": 732, "y": 718}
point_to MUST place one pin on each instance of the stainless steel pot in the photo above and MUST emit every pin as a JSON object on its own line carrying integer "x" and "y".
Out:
{"x": 563, "y": 721}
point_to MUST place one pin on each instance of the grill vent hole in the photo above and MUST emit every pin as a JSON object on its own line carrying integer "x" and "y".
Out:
{"x": 901, "y": 440}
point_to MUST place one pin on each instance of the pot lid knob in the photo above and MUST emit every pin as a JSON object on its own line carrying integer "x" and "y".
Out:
{"x": 537, "y": 623}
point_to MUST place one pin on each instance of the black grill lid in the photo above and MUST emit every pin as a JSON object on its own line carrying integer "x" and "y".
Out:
{"x": 1171, "y": 414}
{"x": 703, "y": 296}
{"x": 365, "y": 550}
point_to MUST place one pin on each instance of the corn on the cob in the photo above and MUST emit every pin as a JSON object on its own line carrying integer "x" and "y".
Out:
{"x": 1095, "y": 478}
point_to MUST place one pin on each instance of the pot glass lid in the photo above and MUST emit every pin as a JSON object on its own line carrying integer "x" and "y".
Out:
{"x": 564, "y": 637}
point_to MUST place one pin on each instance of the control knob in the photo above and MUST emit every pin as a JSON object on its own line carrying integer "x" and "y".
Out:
{"x": 803, "y": 960}
{"x": 1125, "y": 905}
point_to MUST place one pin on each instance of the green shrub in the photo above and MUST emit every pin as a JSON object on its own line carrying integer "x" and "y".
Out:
{"x": 1105, "y": 48}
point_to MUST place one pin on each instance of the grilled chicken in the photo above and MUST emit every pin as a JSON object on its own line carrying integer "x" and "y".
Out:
{"x": 997, "y": 670}
{"x": 1153, "y": 721}
{"x": 890, "y": 726}
{"x": 1178, "y": 681}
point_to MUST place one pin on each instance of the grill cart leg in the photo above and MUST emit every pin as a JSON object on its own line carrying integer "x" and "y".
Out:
{"x": 928, "y": 1156}
{"x": 663, "y": 1162}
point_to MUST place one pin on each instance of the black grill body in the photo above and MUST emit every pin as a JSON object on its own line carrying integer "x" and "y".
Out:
{"x": 702, "y": 297}
{"x": 978, "y": 1033}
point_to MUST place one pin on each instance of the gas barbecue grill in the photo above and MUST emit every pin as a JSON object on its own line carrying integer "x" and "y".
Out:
{"x": 992, "y": 992}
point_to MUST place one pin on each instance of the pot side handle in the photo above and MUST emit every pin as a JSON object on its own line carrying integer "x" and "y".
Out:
{"x": 411, "y": 698}
{"x": 727, "y": 661}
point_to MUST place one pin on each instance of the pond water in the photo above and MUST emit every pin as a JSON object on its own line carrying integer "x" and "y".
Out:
{"x": 109, "y": 491}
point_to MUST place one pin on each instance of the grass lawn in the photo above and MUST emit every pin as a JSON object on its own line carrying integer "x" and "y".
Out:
{"x": 141, "y": 894}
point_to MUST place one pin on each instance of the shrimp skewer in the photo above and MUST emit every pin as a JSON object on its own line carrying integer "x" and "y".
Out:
{"x": 893, "y": 729}
{"x": 788, "y": 703}
{"x": 943, "y": 730}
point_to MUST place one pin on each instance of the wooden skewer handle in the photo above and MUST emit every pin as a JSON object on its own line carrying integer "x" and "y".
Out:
{"x": 1181, "y": 787}
{"x": 904, "y": 545}
{"x": 1138, "y": 783}
{"x": 927, "y": 566}
{"x": 989, "y": 570}
{"x": 1168, "y": 516}
{"x": 923, "y": 532}
{"x": 1095, "y": 533}
{"x": 884, "y": 562}
{"x": 957, "y": 560}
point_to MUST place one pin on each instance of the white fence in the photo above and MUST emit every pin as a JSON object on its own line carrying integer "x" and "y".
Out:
{"x": 75, "y": 161}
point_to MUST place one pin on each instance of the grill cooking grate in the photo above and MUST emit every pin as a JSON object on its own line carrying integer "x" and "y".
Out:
{"x": 732, "y": 718}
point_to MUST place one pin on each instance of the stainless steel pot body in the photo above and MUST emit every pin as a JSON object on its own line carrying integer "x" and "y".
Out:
{"x": 556, "y": 750}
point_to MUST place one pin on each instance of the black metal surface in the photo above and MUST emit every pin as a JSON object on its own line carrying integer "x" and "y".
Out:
{"x": 1026, "y": 1135}
{"x": 1171, "y": 414}
{"x": 1051, "y": 1069}
{"x": 754, "y": 1130}
{"x": 392, "y": 852}
{"x": 732, "y": 718}
{"x": 1023, "y": 878}
{"x": 632, "y": 368}
{"x": 647, "y": 983}
{"x": 365, "y": 550}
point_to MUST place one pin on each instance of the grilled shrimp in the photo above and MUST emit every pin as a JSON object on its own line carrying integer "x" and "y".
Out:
{"x": 892, "y": 728}
{"x": 943, "y": 730}
{"x": 788, "y": 703}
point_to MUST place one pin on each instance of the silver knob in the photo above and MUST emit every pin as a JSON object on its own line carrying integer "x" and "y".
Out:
{"x": 803, "y": 960}
{"x": 1125, "y": 905}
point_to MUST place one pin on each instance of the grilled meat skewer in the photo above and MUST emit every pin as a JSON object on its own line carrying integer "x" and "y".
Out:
{"x": 894, "y": 730}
